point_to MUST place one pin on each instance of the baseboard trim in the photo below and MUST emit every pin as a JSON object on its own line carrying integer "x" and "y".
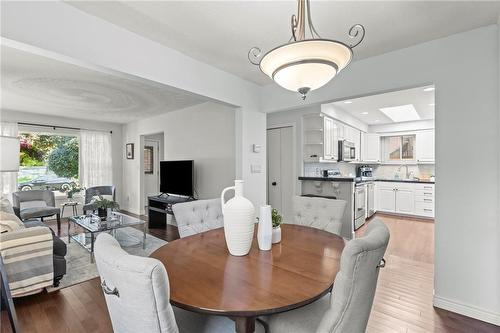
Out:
{"x": 467, "y": 310}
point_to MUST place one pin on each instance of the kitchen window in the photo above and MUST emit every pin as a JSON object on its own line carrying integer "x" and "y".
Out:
{"x": 397, "y": 149}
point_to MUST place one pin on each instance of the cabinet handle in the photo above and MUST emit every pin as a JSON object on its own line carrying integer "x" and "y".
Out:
{"x": 427, "y": 193}
{"x": 428, "y": 187}
{"x": 430, "y": 200}
{"x": 427, "y": 210}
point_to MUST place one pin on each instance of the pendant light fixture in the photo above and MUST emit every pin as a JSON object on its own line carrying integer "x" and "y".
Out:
{"x": 306, "y": 63}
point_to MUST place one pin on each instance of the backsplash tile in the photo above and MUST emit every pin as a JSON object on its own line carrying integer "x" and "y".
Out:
{"x": 422, "y": 171}
{"x": 316, "y": 169}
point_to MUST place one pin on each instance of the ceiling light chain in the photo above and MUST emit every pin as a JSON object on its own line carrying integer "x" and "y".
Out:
{"x": 305, "y": 64}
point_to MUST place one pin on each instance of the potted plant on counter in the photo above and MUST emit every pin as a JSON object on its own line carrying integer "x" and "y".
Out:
{"x": 276, "y": 218}
{"x": 104, "y": 206}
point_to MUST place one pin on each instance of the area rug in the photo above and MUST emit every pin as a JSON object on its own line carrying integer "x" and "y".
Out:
{"x": 80, "y": 269}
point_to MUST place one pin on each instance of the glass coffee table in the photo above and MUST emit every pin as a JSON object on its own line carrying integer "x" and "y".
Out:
{"x": 93, "y": 225}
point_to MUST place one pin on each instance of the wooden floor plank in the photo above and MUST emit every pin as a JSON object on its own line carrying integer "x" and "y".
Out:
{"x": 403, "y": 301}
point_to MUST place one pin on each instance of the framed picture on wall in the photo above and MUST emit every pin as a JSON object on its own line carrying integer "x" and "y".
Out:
{"x": 130, "y": 151}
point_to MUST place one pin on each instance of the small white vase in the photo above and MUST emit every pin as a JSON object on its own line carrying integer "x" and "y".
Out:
{"x": 239, "y": 217}
{"x": 265, "y": 231}
{"x": 276, "y": 235}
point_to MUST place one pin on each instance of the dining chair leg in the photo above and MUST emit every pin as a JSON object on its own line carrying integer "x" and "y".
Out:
{"x": 58, "y": 217}
{"x": 245, "y": 324}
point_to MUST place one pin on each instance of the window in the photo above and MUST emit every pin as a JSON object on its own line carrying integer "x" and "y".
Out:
{"x": 48, "y": 161}
{"x": 398, "y": 148}
{"x": 148, "y": 160}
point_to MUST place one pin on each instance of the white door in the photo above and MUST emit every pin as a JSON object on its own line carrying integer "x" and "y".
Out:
{"x": 280, "y": 170}
{"x": 151, "y": 171}
{"x": 386, "y": 199}
{"x": 405, "y": 201}
{"x": 425, "y": 146}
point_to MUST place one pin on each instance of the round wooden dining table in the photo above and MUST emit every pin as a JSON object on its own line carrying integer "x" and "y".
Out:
{"x": 205, "y": 278}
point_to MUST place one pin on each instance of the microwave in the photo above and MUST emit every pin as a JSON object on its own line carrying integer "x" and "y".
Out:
{"x": 347, "y": 151}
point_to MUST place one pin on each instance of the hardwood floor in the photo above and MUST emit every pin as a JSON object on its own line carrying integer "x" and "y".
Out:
{"x": 403, "y": 302}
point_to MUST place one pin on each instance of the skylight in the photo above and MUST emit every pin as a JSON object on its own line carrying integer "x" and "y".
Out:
{"x": 401, "y": 113}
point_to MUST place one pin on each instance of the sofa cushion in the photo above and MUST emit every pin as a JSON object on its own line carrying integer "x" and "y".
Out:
{"x": 34, "y": 212}
{"x": 9, "y": 222}
{"x": 59, "y": 246}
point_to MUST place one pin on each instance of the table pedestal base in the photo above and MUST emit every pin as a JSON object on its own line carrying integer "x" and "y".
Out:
{"x": 244, "y": 324}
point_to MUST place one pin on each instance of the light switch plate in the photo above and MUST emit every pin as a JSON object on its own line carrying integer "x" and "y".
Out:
{"x": 255, "y": 168}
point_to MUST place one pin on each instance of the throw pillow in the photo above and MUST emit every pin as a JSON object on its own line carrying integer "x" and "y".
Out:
{"x": 9, "y": 222}
{"x": 5, "y": 205}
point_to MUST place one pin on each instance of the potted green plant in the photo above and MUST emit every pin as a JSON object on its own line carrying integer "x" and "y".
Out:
{"x": 104, "y": 205}
{"x": 72, "y": 190}
{"x": 276, "y": 218}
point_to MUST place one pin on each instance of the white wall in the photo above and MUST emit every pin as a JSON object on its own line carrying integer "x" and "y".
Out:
{"x": 118, "y": 150}
{"x": 250, "y": 130}
{"x": 465, "y": 70}
{"x": 204, "y": 133}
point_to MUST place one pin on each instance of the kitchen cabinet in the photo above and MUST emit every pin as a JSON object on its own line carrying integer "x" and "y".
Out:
{"x": 329, "y": 135}
{"x": 319, "y": 138}
{"x": 353, "y": 135}
{"x": 386, "y": 197}
{"x": 425, "y": 146}
{"x": 370, "y": 147}
{"x": 405, "y": 198}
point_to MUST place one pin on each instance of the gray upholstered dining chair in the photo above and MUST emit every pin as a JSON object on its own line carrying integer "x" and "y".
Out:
{"x": 348, "y": 307}
{"x": 320, "y": 213}
{"x": 36, "y": 204}
{"x": 198, "y": 216}
{"x": 137, "y": 293}
{"x": 92, "y": 192}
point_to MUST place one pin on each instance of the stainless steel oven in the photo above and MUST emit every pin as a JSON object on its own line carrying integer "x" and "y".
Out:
{"x": 347, "y": 151}
{"x": 359, "y": 205}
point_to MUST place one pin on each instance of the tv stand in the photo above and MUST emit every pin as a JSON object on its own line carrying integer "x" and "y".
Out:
{"x": 159, "y": 206}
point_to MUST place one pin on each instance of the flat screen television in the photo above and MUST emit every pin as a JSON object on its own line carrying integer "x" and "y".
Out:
{"x": 176, "y": 177}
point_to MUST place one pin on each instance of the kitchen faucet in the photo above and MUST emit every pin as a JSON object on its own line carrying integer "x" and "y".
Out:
{"x": 407, "y": 174}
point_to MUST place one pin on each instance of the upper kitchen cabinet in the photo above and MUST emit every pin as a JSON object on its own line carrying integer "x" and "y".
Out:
{"x": 370, "y": 147}
{"x": 319, "y": 138}
{"x": 425, "y": 146}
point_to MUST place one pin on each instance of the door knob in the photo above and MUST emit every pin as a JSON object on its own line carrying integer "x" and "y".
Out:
{"x": 273, "y": 183}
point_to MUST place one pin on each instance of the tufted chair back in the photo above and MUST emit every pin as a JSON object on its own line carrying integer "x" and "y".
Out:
{"x": 136, "y": 289}
{"x": 320, "y": 213}
{"x": 198, "y": 216}
{"x": 355, "y": 284}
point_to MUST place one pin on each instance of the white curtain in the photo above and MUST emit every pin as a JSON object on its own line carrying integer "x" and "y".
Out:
{"x": 8, "y": 179}
{"x": 96, "y": 168}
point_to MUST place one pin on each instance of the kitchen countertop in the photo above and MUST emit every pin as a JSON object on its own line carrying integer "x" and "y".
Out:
{"x": 415, "y": 181}
{"x": 352, "y": 179}
{"x": 329, "y": 179}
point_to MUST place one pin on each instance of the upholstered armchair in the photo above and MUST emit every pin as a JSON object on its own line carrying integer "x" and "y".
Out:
{"x": 348, "y": 307}
{"x": 320, "y": 213}
{"x": 26, "y": 237}
{"x": 137, "y": 293}
{"x": 92, "y": 192}
{"x": 198, "y": 216}
{"x": 36, "y": 204}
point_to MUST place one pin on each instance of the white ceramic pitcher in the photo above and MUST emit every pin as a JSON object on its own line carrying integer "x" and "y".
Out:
{"x": 239, "y": 218}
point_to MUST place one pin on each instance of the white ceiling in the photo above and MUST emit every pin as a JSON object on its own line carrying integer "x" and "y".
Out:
{"x": 33, "y": 83}
{"x": 423, "y": 101}
{"x": 220, "y": 33}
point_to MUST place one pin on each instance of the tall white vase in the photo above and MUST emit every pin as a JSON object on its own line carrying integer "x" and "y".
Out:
{"x": 239, "y": 215}
{"x": 265, "y": 231}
